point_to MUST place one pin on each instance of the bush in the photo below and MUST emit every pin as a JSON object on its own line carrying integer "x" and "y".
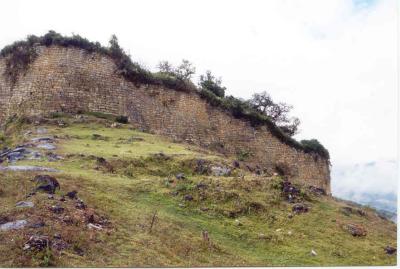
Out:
{"x": 313, "y": 145}
{"x": 122, "y": 119}
{"x": 211, "y": 83}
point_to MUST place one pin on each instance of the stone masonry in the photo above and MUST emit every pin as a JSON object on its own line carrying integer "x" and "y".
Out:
{"x": 72, "y": 80}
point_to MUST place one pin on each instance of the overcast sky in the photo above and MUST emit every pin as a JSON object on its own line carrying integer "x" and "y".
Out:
{"x": 335, "y": 61}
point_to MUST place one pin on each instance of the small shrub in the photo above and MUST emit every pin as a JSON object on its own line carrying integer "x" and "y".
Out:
{"x": 122, "y": 119}
{"x": 313, "y": 145}
{"x": 243, "y": 155}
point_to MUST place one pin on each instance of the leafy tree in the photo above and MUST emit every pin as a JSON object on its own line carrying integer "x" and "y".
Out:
{"x": 183, "y": 72}
{"x": 277, "y": 112}
{"x": 213, "y": 84}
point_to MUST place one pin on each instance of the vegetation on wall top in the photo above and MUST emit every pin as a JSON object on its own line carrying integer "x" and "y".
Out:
{"x": 21, "y": 54}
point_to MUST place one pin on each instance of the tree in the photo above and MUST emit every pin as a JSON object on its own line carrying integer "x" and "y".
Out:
{"x": 183, "y": 72}
{"x": 277, "y": 112}
{"x": 213, "y": 84}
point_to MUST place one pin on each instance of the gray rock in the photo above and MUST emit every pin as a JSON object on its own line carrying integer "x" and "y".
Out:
{"x": 37, "y": 242}
{"x": 24, "y": 204}
{"x": 41, "y": 131}
{"x": 23, "y": 168}
{"x": 35, "y": 155}
{"x": 14, "y": 225}
{"x": 46, "y": 146}
{"x": 42, "y": 139}
{"x": 219, "y": 171}
{"x": 180, "y": 176}
{"x": 46, "y": 183}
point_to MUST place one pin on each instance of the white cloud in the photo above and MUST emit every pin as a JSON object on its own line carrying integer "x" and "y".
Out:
{"x": 334, "y": 60}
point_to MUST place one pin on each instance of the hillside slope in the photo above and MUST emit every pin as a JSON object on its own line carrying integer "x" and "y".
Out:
{"x": 142, "y": 200}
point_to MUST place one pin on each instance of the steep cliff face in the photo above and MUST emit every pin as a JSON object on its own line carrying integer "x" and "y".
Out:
{"x": 73, "y": 80}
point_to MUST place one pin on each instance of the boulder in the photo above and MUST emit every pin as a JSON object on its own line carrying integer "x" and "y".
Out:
{"x": 300, "y": 208}
{"x": 390, "y": 250}
{"x": 14, "y": 225}
{"x": 27, "y": 168}
{"x": 220, "y": 171}
{"x": 355, "y": 229}
{"x": 57, "y": 209}
{"x": 46, "y": 183}
{"x": 72, "y": 194}
{"x": 24, "y": 204}
{"x": 180, "y": 176}
{"x": 37, "y": 243}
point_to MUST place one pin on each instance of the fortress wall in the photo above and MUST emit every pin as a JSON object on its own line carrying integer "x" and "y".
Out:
{"x": 72, "y": 80}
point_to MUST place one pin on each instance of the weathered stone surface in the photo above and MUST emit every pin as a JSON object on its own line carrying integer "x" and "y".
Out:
{"x": 355, "y": 229}
{"x": 22, "y": 168}
{"x": 24, "y": 204}
{"x": 14, "y": 225}
{"x": 46, "y": 183}
{"x": 72, "y": 80}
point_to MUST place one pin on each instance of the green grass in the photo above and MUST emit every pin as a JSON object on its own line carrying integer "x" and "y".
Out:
{"x": 129, "y": 201}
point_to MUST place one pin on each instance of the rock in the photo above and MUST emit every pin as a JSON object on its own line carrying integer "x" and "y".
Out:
{"x": 236, "y": 164}
{"x": 79, "y": 251}
{"x": 72, "y": 194}
{"x": 115, "y": 125}
{"x": 180, "y": 176}
{"x": 52, "y": 157}
{"x": 355, "y": 230}
{"x": 17, "y": 155}
{"x": 35, "y": 155}
{"x": 37, "y": 242}
{"x": 317, "y": 191}
{"x": 27, "y": 168}
{"x": 59, "y": 245}
{"x": 262, "y": 236}
{"x": 238, "y": 223}
{"x": 346, "y": 210}
{"x": 46, "y": 183}
{"x": 201, "y": 166}
{"x": 31, "y": 194}
{"x": 14, "y": 225}
{"x": 41, "y": 131}
{"x": 80, "y": 204}
{"x": 4, "y": 219}
{"x": 290, "y": 191}
{"x": 93, "y": 226}
{"x": 289, "y": 232}
{"x": 57, "y": 236}
{"x": 46, "y": 146}
{"x": 104, "y": 163}
{"x": 204, "y": 209}
{"x": 36, "y": 225}
{"x": 299, "y": 208}
{"x": 390, "y": 250}
{"x": 201, "y": 185}
{"x": 361, "y": 212}
{"x": 42, "y": 139}
{"x": 219, "y": 171}
{"x": 57, "y": 209}
{"x": 188, "y": 197}
{"x": 68, "y": 220}
{"x": 62, "y": 199}
{"x": 313, "y": 253}
{"x": 50, "y": 196}
{"x": 24, "y": 204}
{"x": 290, "y": 216}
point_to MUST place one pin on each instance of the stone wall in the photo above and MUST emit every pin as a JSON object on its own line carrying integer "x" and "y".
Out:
{"x": 72, "y": 80}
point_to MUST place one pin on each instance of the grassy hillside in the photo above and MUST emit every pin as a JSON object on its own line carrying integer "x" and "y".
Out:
{"x": 146, "y": 201}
